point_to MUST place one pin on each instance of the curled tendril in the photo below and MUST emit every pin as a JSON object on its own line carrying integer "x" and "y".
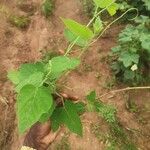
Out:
{"x": 108, "y": 26}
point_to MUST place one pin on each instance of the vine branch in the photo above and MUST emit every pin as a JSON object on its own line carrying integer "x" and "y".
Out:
{"x": 125, "y": 89}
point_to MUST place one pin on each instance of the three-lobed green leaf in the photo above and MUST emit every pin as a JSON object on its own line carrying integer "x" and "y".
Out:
{"x": 67, "y": 115}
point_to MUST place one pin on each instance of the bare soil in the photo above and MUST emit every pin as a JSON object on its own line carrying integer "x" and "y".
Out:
{"x": 46, "y": 35}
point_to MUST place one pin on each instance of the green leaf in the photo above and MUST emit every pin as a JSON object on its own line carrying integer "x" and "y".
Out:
{"x": 116, "y": 49}
{"x": 71, "y": 119}
{"x": 91, "y": 96}
{"x": 27, "y": 69}
{"x": 80, "y": 107}
{"x": 129, "y": 58}
{"x": 32, "y": 102}
{"x": 67, "y": 115}
{"x": 57, "y": 118}
{"x": 72, "y": 37}
{"x": 91, "y": 99}
{"x": 46, "y": 116}
{"x": 78, "y": 29}
{"x": 61, "y": 64}
{"x": 145, "y": 39}
{"x": 116, "y": 67}
{"x": 127, "y": 34}
{"x": 103, "y": 3}
{"x": 13, "y": 76}
{"x": 47, "y": 7}
{"x": 147, "y": 4}
{"x": 129, "y": 75}
{"x": 98, "y": 25}
{"x": 33, "y": 79}
{"x": 112, "y": 9}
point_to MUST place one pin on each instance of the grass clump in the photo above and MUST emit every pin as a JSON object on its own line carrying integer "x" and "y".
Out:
{"x": 117, "y": 137}
{"x": 47, "y": 8}
{"x": 19, "y": 21}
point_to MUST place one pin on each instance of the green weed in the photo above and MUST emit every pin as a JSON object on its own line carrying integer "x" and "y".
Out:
{"x": 132, "y": 55}
{"x": 117, "y": 136}
{"x": 19, "y": 21}
{"x": 47, "y": 7}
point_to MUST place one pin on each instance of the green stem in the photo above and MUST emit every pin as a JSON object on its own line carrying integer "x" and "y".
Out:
{"x": 125, "y": 89}
{"x": 108, "y": 26}
{"x": 90, "y": 22}
{"x": 71, "y": 46}
{"x": 47, "y": 75}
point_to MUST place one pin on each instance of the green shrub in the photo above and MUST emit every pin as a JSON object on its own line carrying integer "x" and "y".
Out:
{"x": 19, "y": 21}
{"x": 47, "y": 7}
{"x": 131, "y": 62}
{"x": 143, "y": 6}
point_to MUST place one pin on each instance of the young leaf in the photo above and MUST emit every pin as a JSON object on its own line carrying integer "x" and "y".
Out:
{"x": 72, "y": 37}
{"x": 80, "y": 107}
{"x": 61, "y": 64}
{"x": 98, "y": 25}
{"x": 91, "y": 98}
{"x": 112, "y": 9}
{"x": 67, "y": 115}
{"x": 78, "y": 29}
{"x": 32, "y": 103}
{"x": 103, "y": 3}
{"x": 13, "y": 76}
{"x": 111, "y": 6}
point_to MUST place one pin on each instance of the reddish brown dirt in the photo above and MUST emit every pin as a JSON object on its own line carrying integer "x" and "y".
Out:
{"x": 19, "y": 46}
